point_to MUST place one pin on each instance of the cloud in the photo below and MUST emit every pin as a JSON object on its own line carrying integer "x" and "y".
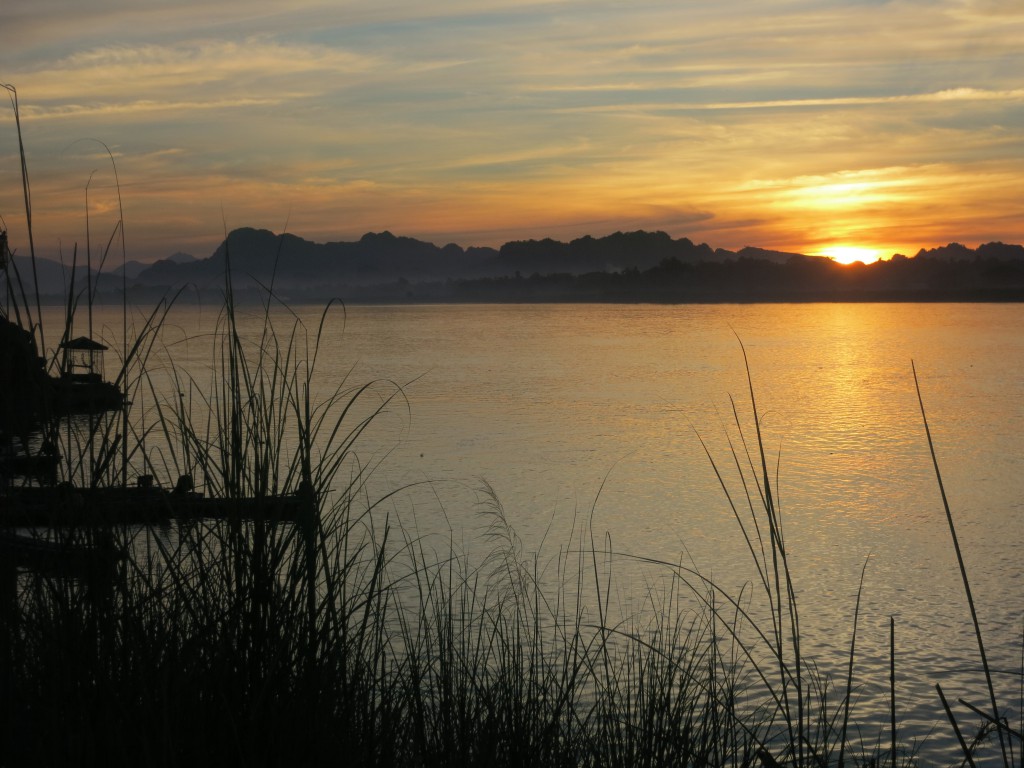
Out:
{"x": 946, "y": 95}
{"x": 123, "y": 74}
{"x": 718, "y": 120}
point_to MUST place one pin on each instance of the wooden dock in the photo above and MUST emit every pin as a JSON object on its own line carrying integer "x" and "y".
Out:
{"x": 67, "y": 506}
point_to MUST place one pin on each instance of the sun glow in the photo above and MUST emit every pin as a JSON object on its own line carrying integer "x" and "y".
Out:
{"x": 848, "y": 254}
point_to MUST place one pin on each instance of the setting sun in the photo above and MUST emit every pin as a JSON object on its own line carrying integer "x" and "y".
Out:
{"x": 848, "y": 254}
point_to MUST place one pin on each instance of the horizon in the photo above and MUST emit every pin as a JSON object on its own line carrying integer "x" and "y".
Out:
{"x": 854, "y": 130}
{"x": 846, "y": 256}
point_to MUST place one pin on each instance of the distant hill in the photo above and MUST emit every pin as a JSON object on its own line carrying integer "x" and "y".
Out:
{"x": 958, "y": 252}
{"x": 133, "y": 269}
{"x": 614, "y": 253}
{"x": 294, "y": 264}
{"x": 298, "y": 265}
{"x": 383, "y": 266}
{"x": 776, "y": 257}
{"x": 55, "y": 277}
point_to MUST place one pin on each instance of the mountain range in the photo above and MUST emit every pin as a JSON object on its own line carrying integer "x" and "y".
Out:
{"x": 382, "y": 266}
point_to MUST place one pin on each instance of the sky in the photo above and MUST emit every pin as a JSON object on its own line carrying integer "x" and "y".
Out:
{"x": 798, "y": 125}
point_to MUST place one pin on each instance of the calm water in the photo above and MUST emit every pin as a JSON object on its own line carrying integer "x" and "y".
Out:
{"x": 566, "y": 410}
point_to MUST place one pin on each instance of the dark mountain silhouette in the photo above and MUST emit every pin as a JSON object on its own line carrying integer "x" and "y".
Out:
{"x": 55, "y": 277}
{"x": 958, "y": 252}
{"x": 621, "y": 250}
{"x": 133, "y": 269}
{"x": 296, "y": 264}
{"x": 1000, "y": 252}
{"x": 623, "y": 266}
{"x": 776, "y": 257}
{"x": 951, "y": 252}
{"x": 300, "y": 265}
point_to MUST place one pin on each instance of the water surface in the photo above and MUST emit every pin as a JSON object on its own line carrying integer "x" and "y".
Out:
{"x": 573, "y": 412}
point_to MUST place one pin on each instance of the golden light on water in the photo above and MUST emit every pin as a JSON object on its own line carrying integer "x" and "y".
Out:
{"x": 848, "y": 254}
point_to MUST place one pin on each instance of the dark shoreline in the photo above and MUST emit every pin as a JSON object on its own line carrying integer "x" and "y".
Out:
{"x": 1008, "y": 296}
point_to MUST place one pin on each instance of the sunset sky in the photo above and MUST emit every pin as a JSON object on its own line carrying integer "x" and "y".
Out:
{"x": 802, "y": 125}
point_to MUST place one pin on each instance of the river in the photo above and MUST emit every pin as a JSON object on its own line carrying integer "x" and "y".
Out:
{"x": 600, "y": 413}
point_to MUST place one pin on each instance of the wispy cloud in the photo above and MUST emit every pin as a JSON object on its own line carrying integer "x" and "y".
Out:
{"x": 254, "y": 65}
{"x": 729, "y": 121}
{"x": 947, "y": 95}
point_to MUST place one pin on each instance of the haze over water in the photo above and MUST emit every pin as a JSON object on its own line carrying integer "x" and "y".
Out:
{"x": 572, "y": 410}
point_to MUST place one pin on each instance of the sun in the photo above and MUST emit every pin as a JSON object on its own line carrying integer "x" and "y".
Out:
{"x": 848, "y": 254}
